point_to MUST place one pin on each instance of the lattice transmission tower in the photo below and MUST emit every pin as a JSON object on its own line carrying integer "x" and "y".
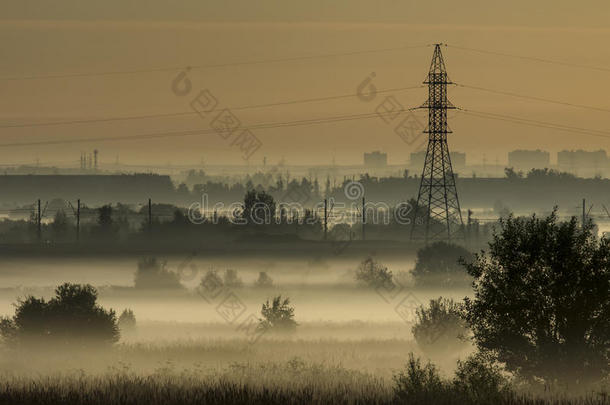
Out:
{"x": 437, "y": 215}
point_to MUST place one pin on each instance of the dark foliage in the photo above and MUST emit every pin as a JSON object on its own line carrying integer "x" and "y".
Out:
{"x": 439, "y": 328}
{"x": 373, "y": 274}
{"x": 153, "y": 274}
{"x": 278, "y": 316}
{"x": 259, "y": 208}
{"x": 542, "y": 300}
{"x": 71, "y": 318}
{"x": 127, "y": 321}
{"x": 263, "y": 280}
{"x": 439, "y": 265}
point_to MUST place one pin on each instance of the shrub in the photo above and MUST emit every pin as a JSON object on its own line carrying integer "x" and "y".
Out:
{"x": 127, "y": 321}
{"x": 439, "y": 265}
{"x": 418, "y": 384}
{"x": 72, "y": 318}
{"x": 211, "y": 281}
{"x": 263, "y": 280}
{"x": 231, "y": 279}
{"x": 278, "y": 316}
{"x": 153, "y": 274}
{"x": 479, "y": 381}
{"x": 439, "y": 328}
{"x": 373, "y": 274}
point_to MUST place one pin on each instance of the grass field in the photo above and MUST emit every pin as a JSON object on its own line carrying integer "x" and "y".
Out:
{"x": 274, "y": 370}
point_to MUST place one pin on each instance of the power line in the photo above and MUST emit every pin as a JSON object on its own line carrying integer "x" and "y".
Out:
{"x": 546, "y": 100}
{"x": 177, "y": 114}
{"x": 315, "y": 121}
{"x": 536, "y": 123}
{"x": 532, "y": 58}
{"x": 211, "y": 66}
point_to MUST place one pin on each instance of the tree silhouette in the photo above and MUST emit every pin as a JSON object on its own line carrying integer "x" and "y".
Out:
{"x": 541, "y": 302}
{"x": 439, "y": 265}
{"x": 259, "y": 207}
{"x": 278, "y": 316}
{"x": 72, "y": 318}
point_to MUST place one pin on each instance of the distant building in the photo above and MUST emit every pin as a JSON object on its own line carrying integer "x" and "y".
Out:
{"x": 529, "y": 159}
{"x": 581, "y": 159}
{"x": 376, "y": 159}
{"x": 458, "y": 159}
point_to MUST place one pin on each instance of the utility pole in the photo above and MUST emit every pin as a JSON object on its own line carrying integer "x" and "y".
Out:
{"x": 325, "y": 218}
{"x": 78, "y": 220}
{"x": 149, "y": 215}
{"x": 438, "y": 195}
{"x": 363, "y": 218}
{"x": 39, "y": 223}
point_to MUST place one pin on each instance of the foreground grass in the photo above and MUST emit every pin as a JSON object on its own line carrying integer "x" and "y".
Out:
{"x": 277, "y": 384}
{"x": 221, "y": 371}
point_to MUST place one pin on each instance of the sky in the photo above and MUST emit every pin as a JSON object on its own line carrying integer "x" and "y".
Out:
{"x": 57, "y": 59}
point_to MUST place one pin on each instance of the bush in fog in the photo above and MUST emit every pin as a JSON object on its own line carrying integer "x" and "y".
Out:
{"x": 263, "y": 280}
{"x": 419, "y": 384}
{"x": 373, "y": 274}
{"x": 72, "y": 317}
{"x": 480, "y": 381}
{"x": 211, "y": 281}
{"x": 476, "y": 381}
{"x": 439, "y": 328}
{"x": 231, "y": 279}
{"x": 127, "y": 321}
{"x": 541, "y": 300}
{"x": 153, "y": 274}
{"x": 278, "y": 316}
{"x": 439, "y": 265}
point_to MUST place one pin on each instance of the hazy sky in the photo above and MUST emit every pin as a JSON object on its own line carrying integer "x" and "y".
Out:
{"x": 41, "y": 38}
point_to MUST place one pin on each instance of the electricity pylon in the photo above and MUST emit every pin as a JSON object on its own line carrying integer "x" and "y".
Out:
{"x": 437, "y": 215}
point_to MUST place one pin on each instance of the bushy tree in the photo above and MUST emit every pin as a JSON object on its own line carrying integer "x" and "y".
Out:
{"x": 71, "y": 318}
{"x": 211, "y": 281}
{"x": 542, "y": 299}
{"x": 439, "y": 265}
{"x": 60, "y": 224}
{"x": 373, "y": 274}
{"x": 418, "y": 384}
{"x": 439, "y": 328}
{"x": 259, "y": 207}
{"x": 278, "y": 316}
{"x": 478, "y": 380}
{"x": 263, "y": 280}
{"x": 231, "y": 279}
{"x": 127, "y": 321}
{"x": 153, "y": 274}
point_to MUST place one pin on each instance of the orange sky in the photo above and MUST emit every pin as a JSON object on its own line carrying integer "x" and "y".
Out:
{"x": 77, "y": 37}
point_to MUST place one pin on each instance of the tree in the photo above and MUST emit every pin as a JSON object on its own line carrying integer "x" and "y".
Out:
{"x": 259, "y": 207}
{"x": 419, "y": 384}
{"x": 373, "y": 274}
{"x": 127, "y": 321}
{"x": 263, "y": 280}
{"x": 439, "y": 328}
{"x": 59, "y": 227}
{"x": 106, "y": 226}
{"x": 104, "y": 216}
{"x": 231, "y": 279}
{"x": 72, "y": 318}
{"x": 153, "y": 274}
{"x": 542, "y": 299}
{"x": 439, "y": 265}
{"x": 278, "y": 316}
